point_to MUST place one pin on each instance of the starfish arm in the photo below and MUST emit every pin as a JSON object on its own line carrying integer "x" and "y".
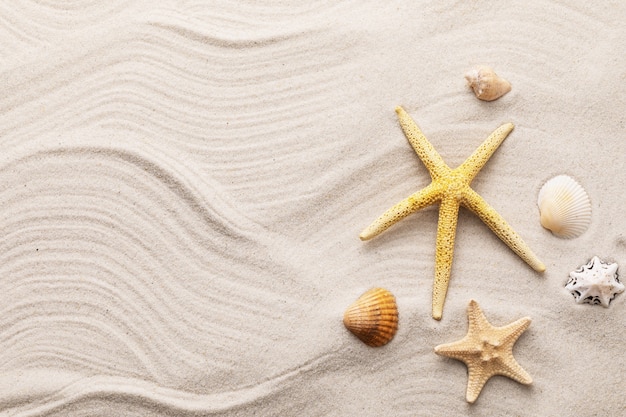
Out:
{"x": 446, "y": 232}
{"x": 476, "y": 380}
{"x": 476, "y": 318}
{"x": 460, "y": 350}
{"x": 411, "y": 204}
{"x": 426, "y": 152}
{"x": 501, "y": 228}
{"x": 511, "y": 369}
{"x": 481, "y": 155}
{"x": 509, "y": 366}
{"x": 511, "y": 332}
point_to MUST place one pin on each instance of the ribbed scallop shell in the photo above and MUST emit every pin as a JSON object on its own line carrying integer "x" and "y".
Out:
{"x": 564, "y": 207}
{"x": 487, "y": 85}
{"x": 373, "y": 318}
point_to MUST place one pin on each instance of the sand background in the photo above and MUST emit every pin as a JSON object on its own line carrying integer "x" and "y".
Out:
{"x": 182, "y": 185}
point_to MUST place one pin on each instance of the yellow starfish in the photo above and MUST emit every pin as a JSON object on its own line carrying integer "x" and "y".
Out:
{"x": 452, "y": 188}
{"x": 487, "y": 351}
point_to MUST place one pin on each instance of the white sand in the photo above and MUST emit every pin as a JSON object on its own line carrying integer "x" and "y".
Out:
{"x": 183, "y": 184}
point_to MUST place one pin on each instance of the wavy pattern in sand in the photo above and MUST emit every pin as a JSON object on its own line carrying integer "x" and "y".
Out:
{"x": 136, "y": 278}
{"x": 113, "y": 266}
{"x": 37, "y": 392}
{"x": 182, "y": 184}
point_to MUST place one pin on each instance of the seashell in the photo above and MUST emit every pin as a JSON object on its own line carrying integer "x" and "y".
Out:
{"x": 373, "y": 318}
{"x": 595, "y": 283}
{"x": 486, "y": 83}
{"x": 564, "y": 207}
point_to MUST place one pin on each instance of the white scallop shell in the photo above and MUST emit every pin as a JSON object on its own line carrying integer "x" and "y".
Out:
{"x": 564, "y": 207}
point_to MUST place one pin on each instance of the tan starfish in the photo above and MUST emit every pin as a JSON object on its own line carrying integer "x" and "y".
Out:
{"x": 451, "y": 187}
{"x": 487, "y": 351}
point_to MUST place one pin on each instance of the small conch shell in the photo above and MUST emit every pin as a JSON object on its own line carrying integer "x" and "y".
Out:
{"x": 486, "y": 83}
{"x": 564, "y": 207}
{"x": 373, "y": 318}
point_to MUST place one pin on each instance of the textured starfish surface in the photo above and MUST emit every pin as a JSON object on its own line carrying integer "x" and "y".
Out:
{"x": 487, "y": 351}
{"x": 451, "y": 187}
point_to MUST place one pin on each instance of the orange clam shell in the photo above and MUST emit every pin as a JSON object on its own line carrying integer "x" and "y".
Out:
{"x": 373, "y": 318}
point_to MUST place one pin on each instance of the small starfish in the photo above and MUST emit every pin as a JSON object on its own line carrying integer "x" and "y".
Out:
{"x": 487, "y": 351}
{"x": 451, "y": 187}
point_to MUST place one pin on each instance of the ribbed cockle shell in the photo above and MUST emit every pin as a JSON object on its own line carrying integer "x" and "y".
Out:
{"x": 373, "y": 318}
{"x": 564, "y": 207}
{"x": 487, "y": 85}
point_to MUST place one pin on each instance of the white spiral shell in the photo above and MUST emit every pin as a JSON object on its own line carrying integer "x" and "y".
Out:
{"x": 564, "y": 207}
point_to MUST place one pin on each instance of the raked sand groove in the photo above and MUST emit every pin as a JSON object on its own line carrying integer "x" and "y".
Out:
{"x": 36, "y": 393}
{"x": 112, "y": 267}
{"x": 182, "y": 184}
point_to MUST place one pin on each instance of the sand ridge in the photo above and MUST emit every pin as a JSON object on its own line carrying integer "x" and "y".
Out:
{"x": 182, "y": 185}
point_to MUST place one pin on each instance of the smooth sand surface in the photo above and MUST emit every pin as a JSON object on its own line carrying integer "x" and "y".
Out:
{"x": 183, "y": 183}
